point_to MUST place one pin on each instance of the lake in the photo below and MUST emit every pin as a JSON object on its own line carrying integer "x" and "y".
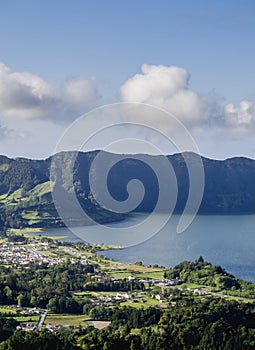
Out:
{"x": 228, "y": 241}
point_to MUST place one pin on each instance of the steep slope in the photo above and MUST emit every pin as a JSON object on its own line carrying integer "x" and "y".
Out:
{"x": 26, "y": 197}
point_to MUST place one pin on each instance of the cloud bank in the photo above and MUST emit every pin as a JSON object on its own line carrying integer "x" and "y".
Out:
{"x": 25, "y": 95}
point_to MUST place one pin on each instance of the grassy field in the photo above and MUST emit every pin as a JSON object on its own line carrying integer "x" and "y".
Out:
{"x": 122, "y": 270}
{"x": 19, "y": 318}
{"x": 156, "y": 275}
{"x": 7, "y": 310}
{"x": 71, "y": 320}
{"x": 27, "y": 319}
{"x": 145, "y": 301}
{"x": 142, "y": 274}
{"x": 24, "y": 231}
{"x": 50, "y": 236}
{"x": 142, "y": 303}
{"x": 120, "y": 274}
{"x": 30, "y": 215}
{"x": 41, "y": 189}
{"x": 195, "y": 286}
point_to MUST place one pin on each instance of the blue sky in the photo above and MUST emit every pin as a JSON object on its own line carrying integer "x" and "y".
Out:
{"x": 107, "y": 42}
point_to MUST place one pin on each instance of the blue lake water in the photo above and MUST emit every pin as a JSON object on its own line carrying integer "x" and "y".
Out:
{"x": 228, "y": 241}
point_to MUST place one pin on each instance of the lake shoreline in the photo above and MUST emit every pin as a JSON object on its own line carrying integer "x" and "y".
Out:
{"x": 226, "y": 240}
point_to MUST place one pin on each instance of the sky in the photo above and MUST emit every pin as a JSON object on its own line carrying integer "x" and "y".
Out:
{"x": 193, "y": 59}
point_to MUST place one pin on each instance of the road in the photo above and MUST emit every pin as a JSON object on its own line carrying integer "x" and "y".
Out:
{"x": 41, "y": 320}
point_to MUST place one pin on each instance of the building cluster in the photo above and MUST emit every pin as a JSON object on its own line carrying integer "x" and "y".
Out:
{"x": 76, "y": 253}
{"x": 27, "y": 327}
{"x": 33, "y": 327}
{"x": 161, "y": 283}
{"x": 16, "y": 254}
{"x": 119, "y": 297}
{"x": 55, "y": 327}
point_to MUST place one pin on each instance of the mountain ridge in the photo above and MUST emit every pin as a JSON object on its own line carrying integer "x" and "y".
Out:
{"x": 26, "y": 196}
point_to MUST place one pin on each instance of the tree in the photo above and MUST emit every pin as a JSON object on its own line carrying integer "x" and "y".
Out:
{"x": 200, "y": 259}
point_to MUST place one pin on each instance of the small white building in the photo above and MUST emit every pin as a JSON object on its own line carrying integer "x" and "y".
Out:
{"x": 131, "y": 278}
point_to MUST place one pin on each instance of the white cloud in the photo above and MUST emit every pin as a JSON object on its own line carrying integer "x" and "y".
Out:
{"x": 167, "y": 88}
{"x": 212, "y": 122}
{"x": 25, "y": 95}
{"x": 241, "y": 118}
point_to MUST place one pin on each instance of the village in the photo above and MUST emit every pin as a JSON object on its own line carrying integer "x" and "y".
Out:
{"x": 48, "y": 252}
{"x": 20, "y": 253}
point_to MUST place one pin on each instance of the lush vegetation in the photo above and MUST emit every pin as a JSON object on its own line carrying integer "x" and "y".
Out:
{"x": 43, "y": 340}
{"x": 127, "y": 316}
{"x": 154, "y": 317}
{"x": 7, "y": 327}
{"x": 204, "y": 273}
{"x": 38, "y": 285}
{"x": 191, "y": 325}
{"x": 115, "y": 286}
